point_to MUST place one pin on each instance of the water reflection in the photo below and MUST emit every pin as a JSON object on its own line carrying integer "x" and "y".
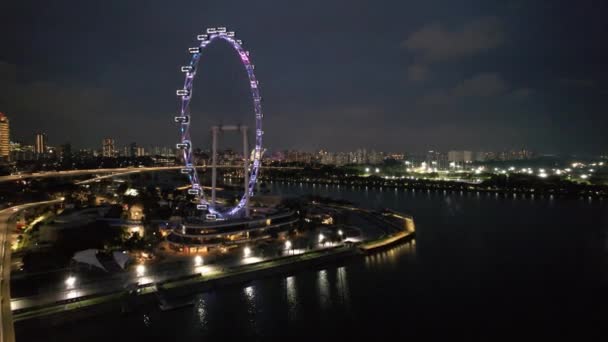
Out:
{"x": 391, "y": 256}
{"x": 323, "y": 285}
{"x": 250, "y": 303}
{"x": 292, "y": 302}
{"x": 342, "y": 286}
{"x": 201, "y": 312}
{"x": 147, "y": 321}
{"x": 250, "y": 293}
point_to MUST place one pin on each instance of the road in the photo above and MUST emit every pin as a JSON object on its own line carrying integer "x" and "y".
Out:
{"x": 7, "y": 333}
{"x": 84, "y": 285}
{"x": 117, "y": 172}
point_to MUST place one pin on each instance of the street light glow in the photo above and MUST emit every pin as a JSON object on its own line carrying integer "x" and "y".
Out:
{"x": 198, "y": 260}
{"x": 246, "y": 252}
{"x": 288, "y": 245}
{"x": 140, "y": 270}
{"x": 340, "y": 232}
{"x": 321, "y": 237}
{"x": 70, "y": 282}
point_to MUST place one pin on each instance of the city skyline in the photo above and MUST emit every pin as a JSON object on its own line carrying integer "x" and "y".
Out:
{"x": 110, "y": 147}
{"x": 448, "y": 78}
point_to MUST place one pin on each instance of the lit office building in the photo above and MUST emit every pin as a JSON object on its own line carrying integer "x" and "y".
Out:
{"x": 41, "y": 141}
{"x": 108, "y": 148}
{"x": 460, "y": 158}
{"x": 4, "y": 138}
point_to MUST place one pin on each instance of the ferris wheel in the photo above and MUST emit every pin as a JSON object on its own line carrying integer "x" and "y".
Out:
{"x": 184, "y": 119}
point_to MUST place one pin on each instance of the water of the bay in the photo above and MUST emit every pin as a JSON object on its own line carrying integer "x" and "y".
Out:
{"x": 483, "y": 267}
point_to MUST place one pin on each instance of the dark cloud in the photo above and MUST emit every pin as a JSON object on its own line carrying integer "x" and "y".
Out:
{"x": 333, "y": 74}
{"x": 480, "y": 85}
{"x": 35, "y": 105}
{"x": 486, "y": 84}
{"x": 435, "y": 43}
{"x": 579, "y": 83}
{"x": 417, "y": 72}
{"x": 522, "y": 93}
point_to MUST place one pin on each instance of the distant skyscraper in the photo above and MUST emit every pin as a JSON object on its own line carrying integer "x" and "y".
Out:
{"x": 132, "y": 150}
{"x": 460, "y": 157}
{"x": 41, "y": 141}
{"x": 65, "y": 152}
{"x": 5, "y": 150}
{"x": 140, "y": 152}
{"x": 436, "y": 160}
{"x": 108, "y": 148}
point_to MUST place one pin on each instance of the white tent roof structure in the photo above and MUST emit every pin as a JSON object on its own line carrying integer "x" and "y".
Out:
{"x": 120, "y": 258}
{"x": 88, "y": 256}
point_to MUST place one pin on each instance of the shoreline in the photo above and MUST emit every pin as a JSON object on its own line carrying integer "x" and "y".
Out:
{"x": 152, "y": 294}
{"x": 450, "y": 187}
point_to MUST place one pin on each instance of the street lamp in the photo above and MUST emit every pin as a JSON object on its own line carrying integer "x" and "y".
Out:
{"x": 140, "y": 270}
{"x": 321, "y": 237}
{"x": 340, "y": 232}
{"x": 246, "y": 252}
{"x": 198, "y": 260}
{"x": 70, "y": 282}
{"x": 287, "y": 245}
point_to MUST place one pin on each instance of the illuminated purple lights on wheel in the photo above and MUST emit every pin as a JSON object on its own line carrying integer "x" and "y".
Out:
{"x": 211, "y": 35}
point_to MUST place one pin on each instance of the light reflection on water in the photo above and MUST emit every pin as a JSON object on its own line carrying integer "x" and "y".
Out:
{"x": 201, "y": 312}
{"x": 342, "y": 286}
{"x": 391, "y": 257}
{"x": 292, "y": 301}
{"x": 323, "y": 285}
{"x": 250, "y": 302}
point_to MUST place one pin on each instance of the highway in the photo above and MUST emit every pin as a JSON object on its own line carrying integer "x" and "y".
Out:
{"x": 118, "y": 172}
{"x": 7, "y": 333}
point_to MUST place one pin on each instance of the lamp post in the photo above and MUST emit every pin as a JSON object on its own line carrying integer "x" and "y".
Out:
{"x": 288, "y": 246}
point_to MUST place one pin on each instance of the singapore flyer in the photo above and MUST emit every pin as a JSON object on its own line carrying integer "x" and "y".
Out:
{"x": 184, "y": 120}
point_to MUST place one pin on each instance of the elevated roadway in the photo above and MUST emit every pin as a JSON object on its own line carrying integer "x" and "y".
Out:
{"x": 7, "y": 226}
{"x": 113, "y": 172}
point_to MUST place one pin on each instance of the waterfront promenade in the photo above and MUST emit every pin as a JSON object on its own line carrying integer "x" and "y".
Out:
{"x": 109, "y": 296}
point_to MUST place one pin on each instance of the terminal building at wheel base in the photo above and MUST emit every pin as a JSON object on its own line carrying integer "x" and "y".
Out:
{"x": 207, "y": 236}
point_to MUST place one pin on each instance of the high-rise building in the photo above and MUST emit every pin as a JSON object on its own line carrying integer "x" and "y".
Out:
{"x": 436, "y": 160}
{"x": 65, "y": 151}
{"x": 41, "y": 141}
{"x": 140, "y": 152}
{"x": 5, "y": 151}
{"x": 132, "y": 150}
{"x": 460, "y": 158}
{"x": 375, "y": 157}
{"x": 108, "y": 148}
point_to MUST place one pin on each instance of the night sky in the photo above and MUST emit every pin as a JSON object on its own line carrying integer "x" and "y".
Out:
{"x": 404, "y": 76}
